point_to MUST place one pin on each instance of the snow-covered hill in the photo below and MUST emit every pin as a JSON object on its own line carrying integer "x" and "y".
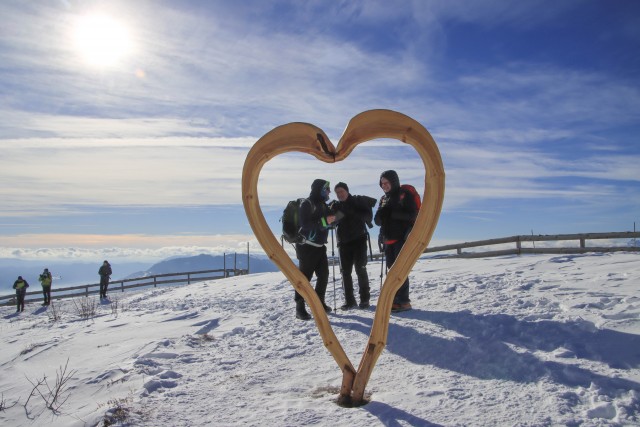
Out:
{"x": 530, "y": 340}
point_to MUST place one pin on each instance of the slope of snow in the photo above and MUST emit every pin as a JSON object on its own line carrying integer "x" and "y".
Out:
{"x": 531, "y": 340}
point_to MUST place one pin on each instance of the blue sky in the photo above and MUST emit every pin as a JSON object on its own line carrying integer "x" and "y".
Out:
{"x": 133, "y": 147}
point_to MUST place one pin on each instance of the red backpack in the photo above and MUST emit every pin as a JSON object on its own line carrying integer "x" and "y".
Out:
{"x": 416, "y": 197}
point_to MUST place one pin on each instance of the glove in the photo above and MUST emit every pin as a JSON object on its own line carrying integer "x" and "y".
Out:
{"x": 383, "y": 201}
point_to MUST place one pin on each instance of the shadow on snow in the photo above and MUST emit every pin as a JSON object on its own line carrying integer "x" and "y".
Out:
{"x": 484, "y": 352}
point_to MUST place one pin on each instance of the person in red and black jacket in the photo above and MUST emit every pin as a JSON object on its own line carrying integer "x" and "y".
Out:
{"x": 315, "y": 220}
{"x": 396, "y": 214}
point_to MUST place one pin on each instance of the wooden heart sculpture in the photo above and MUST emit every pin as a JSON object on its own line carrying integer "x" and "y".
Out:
{"x": 309, "y": 139}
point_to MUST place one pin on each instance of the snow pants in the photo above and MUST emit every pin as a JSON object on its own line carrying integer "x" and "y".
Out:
{"x": 354, "y": 253}
{"x": 313, "y": 259}
{"x": 391, "y": 252}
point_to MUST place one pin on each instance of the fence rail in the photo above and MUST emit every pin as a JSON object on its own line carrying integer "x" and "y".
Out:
{"x": 119, "y": 285}
{"x": 580, "y": 246}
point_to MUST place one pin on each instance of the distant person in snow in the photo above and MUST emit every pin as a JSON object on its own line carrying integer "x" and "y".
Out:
{"x": 396, "y": 214}
{"x": 315, "y": 220}
{"x": 45, "y": 280}
{"x": 105, "y": 275}
{"x": 20, "y": 286}
{"x": 353, "y": 214}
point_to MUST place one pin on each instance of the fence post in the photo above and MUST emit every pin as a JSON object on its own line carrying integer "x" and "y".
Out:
{"x": 582, "y": 244}
{"x": 155, "y": 282}
{"x": 86, "y": 291}
{"x": 188, "y": 278}
{"x": 122, "y": 286}
{"x": 518, "y": 245}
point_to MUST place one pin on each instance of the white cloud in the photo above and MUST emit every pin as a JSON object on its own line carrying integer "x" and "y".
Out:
{"x": 79, "y": 247}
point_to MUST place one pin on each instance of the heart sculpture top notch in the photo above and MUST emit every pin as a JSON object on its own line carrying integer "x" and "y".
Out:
{"x": 306, "y": 138}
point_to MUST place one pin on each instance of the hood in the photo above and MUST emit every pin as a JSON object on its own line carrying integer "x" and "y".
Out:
{"x": 316, "y": 189}
{"x": 392, "y": 177}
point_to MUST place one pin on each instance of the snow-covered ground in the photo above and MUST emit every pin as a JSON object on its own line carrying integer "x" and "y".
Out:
{"x": 531, "y": 340}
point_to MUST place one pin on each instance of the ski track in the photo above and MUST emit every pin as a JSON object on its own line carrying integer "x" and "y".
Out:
{"x": 494, "y": 346}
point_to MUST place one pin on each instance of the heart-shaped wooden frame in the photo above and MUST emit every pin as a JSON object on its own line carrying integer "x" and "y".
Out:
{"x": 306, "y": 138}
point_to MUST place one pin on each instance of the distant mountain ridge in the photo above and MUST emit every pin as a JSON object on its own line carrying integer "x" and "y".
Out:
{"x": 209, "y": 262}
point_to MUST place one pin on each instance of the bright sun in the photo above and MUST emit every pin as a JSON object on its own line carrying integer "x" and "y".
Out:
{"x": 101, "y": 40}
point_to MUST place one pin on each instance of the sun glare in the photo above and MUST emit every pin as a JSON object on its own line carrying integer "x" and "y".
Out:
{"x": 101, "y": 40}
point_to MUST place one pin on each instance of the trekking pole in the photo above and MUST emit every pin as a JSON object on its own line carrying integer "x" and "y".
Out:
{"x": 381, "y": 247}
{"x": 370, "y": 250}
{"x": 340, "y": 262}
{"x": 333, "y": 264}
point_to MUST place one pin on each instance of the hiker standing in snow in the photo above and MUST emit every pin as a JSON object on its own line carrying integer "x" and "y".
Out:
{"x": 105, "y": 275}
{"x": 20, "y": 286}
{"x": 315, "y": 219}
{"x": 352, "y": 235}
{"x": 45, "y": 280}
{"x": 396, "y": 214}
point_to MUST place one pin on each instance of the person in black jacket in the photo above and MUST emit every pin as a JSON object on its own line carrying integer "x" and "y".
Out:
{"x": 354, "y": 213}
{"x": 311, "y": 252}
{"x": 105, "y": 275}
{"x": 20, "y": 285}
{"x": 396, "y": 214}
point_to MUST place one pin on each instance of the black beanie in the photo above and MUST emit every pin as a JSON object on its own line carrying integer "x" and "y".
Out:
{"x": 343, "y": 185}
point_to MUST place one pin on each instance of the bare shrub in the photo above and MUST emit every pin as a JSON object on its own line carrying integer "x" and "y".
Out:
{"x": 85, "y": 308}
{"x": 3, "y": 404}
{"x": 117, "y": 306}
{"x": 123, "y": 412}
{"x": 55, "y": 312}
{"x": 206, "y": 337}
{"x": 119, "y": 411}
{"x": 53, "y": 396}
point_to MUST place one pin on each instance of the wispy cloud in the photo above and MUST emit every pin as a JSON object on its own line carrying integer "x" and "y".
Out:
{"x": 171, "y": 125}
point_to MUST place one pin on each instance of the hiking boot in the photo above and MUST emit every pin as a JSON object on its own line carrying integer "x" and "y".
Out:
{"x": 348, "y": 306}
{"x": 302, "y": 314}
{"x": 364, "y": 304}
{"x": 396, "y": 308}
{"x": 326, "y": 308}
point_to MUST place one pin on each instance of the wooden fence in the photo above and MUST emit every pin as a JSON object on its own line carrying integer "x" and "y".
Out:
{"x": 580, "y": 245}
{"x": 119, "y": 285}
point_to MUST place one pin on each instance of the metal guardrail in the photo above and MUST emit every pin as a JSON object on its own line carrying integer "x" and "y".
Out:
{"x": 119, "y": 285}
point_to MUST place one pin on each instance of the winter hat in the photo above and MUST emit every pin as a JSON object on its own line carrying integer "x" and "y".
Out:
{"x": 392, "y": 177}
{"x": 342, "y": 185}
{"x": 19, "y": 277}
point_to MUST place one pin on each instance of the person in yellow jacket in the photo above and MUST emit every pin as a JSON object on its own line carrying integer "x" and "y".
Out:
{"x": 20, "y": 286}
{"x": 45, "y": 280}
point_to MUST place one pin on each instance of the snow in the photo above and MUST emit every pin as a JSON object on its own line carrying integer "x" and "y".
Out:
{"x": 532, "y": 340}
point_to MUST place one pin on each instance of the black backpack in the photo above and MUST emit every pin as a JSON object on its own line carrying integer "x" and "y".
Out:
{"x": 291, "y": 221}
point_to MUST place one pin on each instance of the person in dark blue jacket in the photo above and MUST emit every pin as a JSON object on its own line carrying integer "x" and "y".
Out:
{"x": 311, "y": 252}
{"x": 396, "y": 214}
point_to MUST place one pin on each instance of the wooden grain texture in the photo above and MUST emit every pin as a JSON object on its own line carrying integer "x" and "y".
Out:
{"x": 307, "y": 138}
